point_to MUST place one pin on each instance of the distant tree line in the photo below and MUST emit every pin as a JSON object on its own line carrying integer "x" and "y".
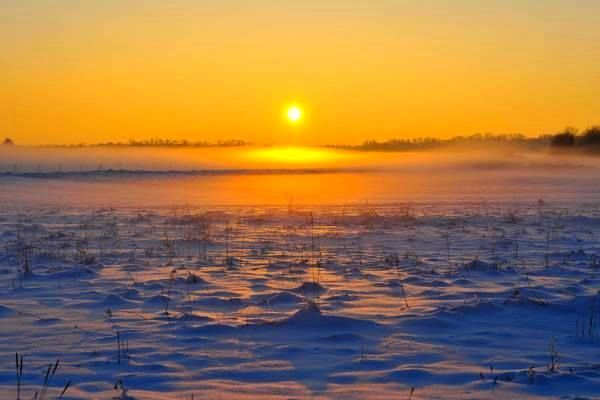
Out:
{"x": 159, "y": 142}
{"x": 428, "y": 143}
{"x": 588, "y": 140}
{"x": 570, "y": 138}
{"x": 186, "y": 143}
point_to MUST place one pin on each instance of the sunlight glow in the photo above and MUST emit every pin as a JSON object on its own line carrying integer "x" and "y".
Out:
{"x": 293, "y": 155}
{"x": 294, "y": 114}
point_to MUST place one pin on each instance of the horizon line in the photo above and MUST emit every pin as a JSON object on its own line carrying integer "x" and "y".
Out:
{"x": 165, "y": 142}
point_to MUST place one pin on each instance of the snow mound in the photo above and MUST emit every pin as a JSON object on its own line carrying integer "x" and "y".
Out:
{"x": 75, "y": 271}
{"x": 7, "y": 235}
{"x": 158, "y": 299}
{"x": 113, "y": 300}
{"x": 282, "y": 298}
{"x": 478, "y": 265}
{"x": 310, "y": 317}
{"x": 310, "y": 288}
{"x": 6, "y": 311}
{"x": 192, "y": 279}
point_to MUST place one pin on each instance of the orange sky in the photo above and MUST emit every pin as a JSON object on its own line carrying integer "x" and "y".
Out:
{"x": 88, "y": 71}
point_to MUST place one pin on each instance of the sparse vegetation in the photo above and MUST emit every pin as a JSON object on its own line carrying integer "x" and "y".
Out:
{"x": 43, "y": 391}
{"x": 282, "y": 264}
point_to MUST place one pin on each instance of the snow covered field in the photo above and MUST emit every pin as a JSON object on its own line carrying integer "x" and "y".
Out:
{"x": 463, "y": 299}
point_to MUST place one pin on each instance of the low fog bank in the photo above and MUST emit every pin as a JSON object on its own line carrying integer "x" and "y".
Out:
{"x": 278, "y": 176}
{"x": 40, "y": 160}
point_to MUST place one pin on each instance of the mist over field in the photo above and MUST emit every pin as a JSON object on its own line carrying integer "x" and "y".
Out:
{"x": 273, "y": 175}
{"x": 20, "y": 159}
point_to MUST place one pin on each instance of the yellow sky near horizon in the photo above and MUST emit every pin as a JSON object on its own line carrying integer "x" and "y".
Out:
{"x": 91, "y": 71}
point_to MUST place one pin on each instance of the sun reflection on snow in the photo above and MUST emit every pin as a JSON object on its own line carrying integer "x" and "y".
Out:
{"x": 294, "y": 155}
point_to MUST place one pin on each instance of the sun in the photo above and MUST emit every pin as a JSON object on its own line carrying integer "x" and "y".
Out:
{"x": 294, "y": 114}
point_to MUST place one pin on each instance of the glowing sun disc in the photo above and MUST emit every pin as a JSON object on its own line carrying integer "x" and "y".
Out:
{"x": 294, "y": 114}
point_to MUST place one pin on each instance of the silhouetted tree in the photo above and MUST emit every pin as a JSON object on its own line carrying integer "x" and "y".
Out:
{"x": 8, "y": 142}
{"x": 564, "y": 139}
{"x": 591, "y": 137}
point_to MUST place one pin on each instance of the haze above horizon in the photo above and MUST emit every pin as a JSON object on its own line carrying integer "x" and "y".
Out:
{"x": 112, "y": 70}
